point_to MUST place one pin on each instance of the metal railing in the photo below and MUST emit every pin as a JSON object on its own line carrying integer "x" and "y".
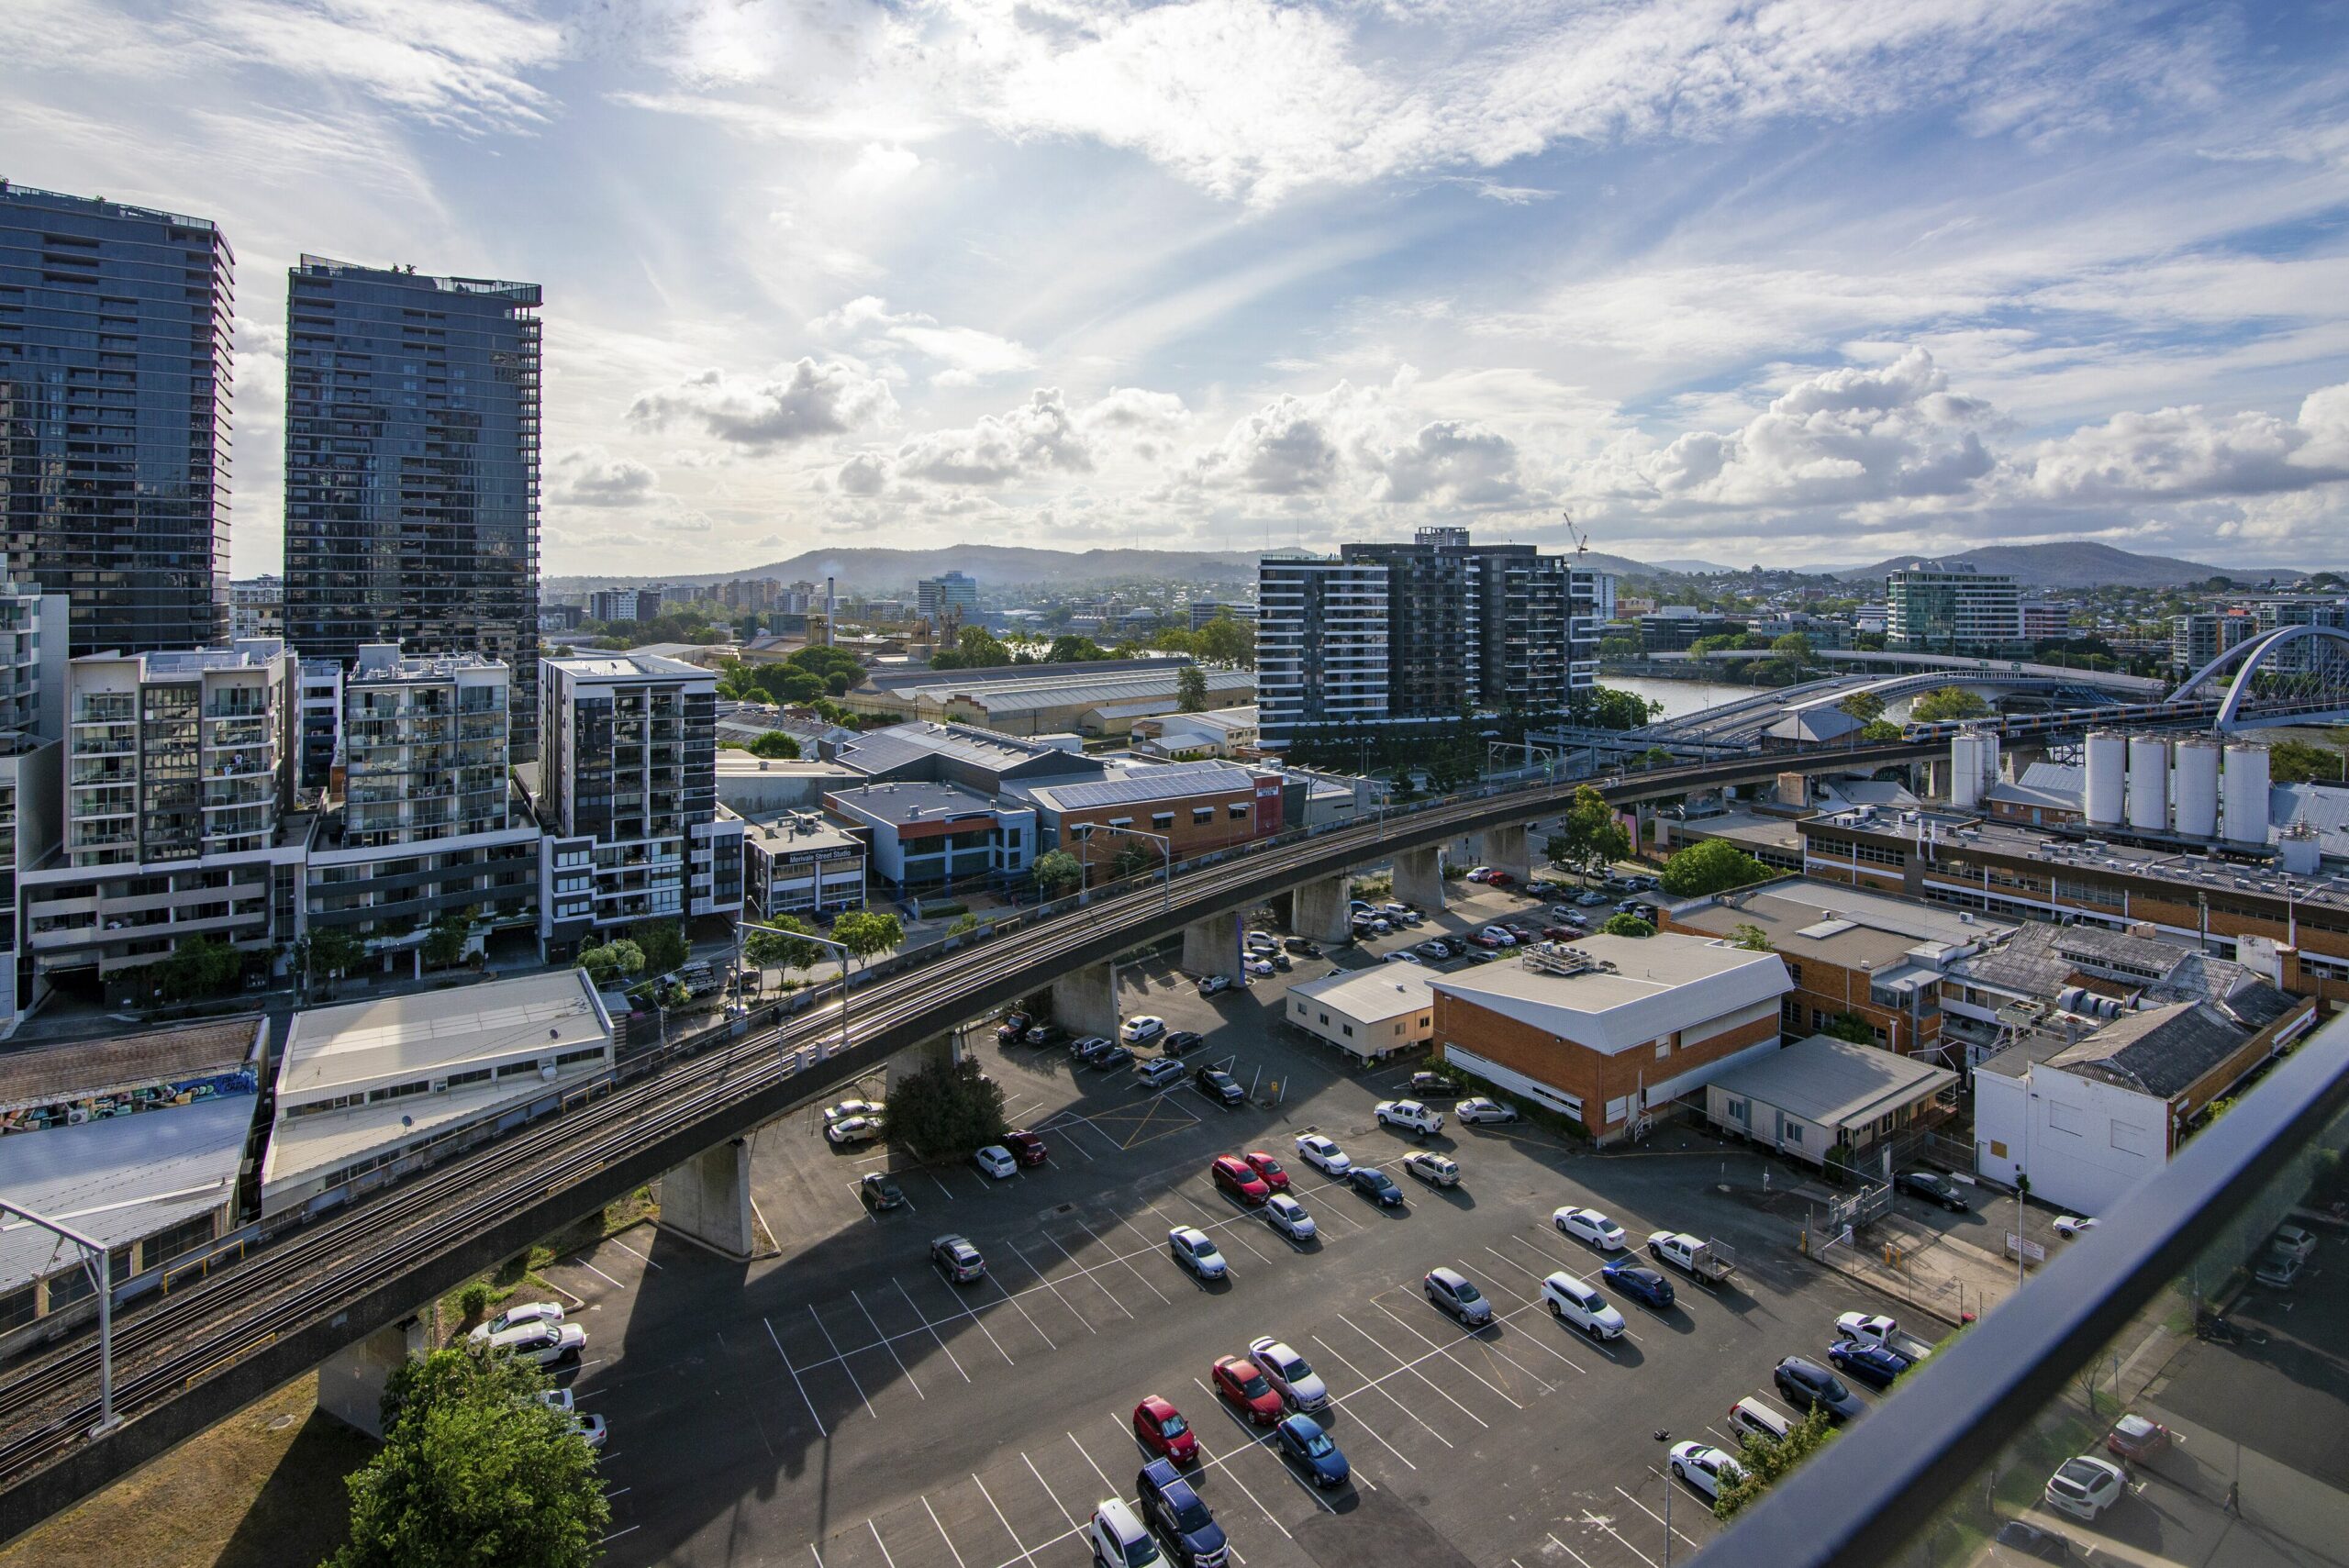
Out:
{"x": 1862, "y": 1503}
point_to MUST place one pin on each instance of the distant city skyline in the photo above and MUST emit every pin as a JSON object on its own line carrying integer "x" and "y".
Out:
{"x": 1227, "y": 274}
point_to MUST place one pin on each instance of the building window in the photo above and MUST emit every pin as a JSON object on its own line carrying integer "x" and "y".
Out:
{"x": 1240, "y": 812}
{"x": 1794, "y": 1132}
{"x": 1739, "y": 1110}
{"x": 1350, "y": 1031}
{"x": 1662, "y": 1049}
{"x": 1202, "y": 814}
{"x": 1162, "y": 819}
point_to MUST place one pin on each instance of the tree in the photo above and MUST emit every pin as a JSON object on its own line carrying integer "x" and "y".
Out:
{"x": 1191, "y": 689}
{"x": 1072, "y": 649}
{"x": 946, "y": 1110}
{"x": 1850, "y": 1027}
{"x": 1627, "y": 926}
{"x": 613, "y": 961}
{"x": 2297, "y": 762}
{"x": 445, "y": 943}
{"x": 1227, "y": 641}
{"x": 661, "y": 943}
{"x": 775, "y": 743}
{"x": 966, "y": 925}
{"x": 1751, "y": 937}
{"x": 1605, "y": 708}
{"x": 1766, "y": 1459}
{"x": 776, "y": 950}
{"x": 1950, "y": 702}
{"x": 475, "y": 1468}
{"x": 866, "y": 932}
{"x": 1056, "y": 871}
{"x": 1794, "y": 645}
{"x": 1719, "y": 642}
{"x": 1588, "y": 838}
{"x": 332, "y": 951}
{"x": 975, "y": 648}
{"x": 1880, "y": 729}
{"x": 198, "y": 966}
{"x": 1711, "y": 866}
{"x": 1657, "y": 757}
{"x": 1618, "y": 649}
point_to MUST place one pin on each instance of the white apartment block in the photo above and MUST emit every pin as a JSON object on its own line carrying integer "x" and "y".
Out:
{"x": 1952, "y": 608}
{"x": 1321, "y": 644}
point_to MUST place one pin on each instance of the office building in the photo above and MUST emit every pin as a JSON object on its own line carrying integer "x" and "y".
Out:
{"x": 114, "y": 330}
{"x": 1199, "y": 808}
{"x": 2196, "y": 639}
{"x": 797, "y": 863}
{"x": 177, "y": 819}
{"x": 1369, "y": 1013}
{"x": 421, "y": 820}
{"x": 2044, "y": 622}
{"x": 2308, "y": 655}
{"x": 623, "y": 606}
{"x": 256, "y": 608}
{"x": 940, "y": 835}
{"x": 412, "y": 469}
{"x": 561, "y": 619}
{"x": 1459, "y": 628}
{"x": 1202, "y": 611}
{"x": 628, "y": 796}
{"x": 1948, "y": 607}
{"x": 1676, "y": 629}
{"x": 949, "y": 595}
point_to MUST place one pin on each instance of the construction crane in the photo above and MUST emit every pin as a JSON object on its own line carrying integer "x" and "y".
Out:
{"x": 1582, "y": 540}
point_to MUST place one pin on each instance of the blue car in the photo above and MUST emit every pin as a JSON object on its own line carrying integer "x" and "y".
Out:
{"x": 1871, "y": 1364}
{"x": 1182, "y": 1521}
{"x": 1640, "y": 1283}
{"x": 1307, "y": 1446}
{"x": 1376, "y": 1185}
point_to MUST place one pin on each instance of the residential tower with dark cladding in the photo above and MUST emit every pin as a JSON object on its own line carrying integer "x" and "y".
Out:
{"x": 412, "y": 469}
{"x": 115, "y": 326}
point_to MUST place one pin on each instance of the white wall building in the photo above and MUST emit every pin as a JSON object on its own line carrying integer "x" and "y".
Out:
{"x": 1371, "y": 1012}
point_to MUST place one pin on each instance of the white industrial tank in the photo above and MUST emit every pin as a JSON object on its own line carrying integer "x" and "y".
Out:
{"x": 1965, "y": 770}
{"x": 2299, "y": 850}
{"x": 2245, "y": 802}
{"x": 2148, "y": 784}
{"x": 2108, "y": 773}
{"x": 2196, "y": 788}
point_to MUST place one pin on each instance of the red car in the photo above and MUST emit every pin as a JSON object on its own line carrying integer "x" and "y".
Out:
{"x": 1027, "y": 1148}
{"x": 1232, "y": 1174}
{"x": 1267, "y": 1169}
{"x": 1163, "y": 1431}
{"x": 1482, "y": 941}
{"x": 1499, "y": 879}
{"x": 1561, "y": 933}
{"x": 1244, "y": 1386}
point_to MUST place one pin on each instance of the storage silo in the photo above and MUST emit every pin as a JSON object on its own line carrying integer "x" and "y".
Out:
{"x": 2108, "y": 774}
{"x": 1965, "y": 770}
{"x": 2148, "y": 784}
{"x": 2196, "y": 788}
{"x": 2245, "y": 802}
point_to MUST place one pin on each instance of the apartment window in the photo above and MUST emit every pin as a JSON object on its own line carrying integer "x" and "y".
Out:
{"x": 1350, "y": 1031}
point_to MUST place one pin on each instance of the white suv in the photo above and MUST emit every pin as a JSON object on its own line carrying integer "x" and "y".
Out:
{"x": 1117, "y": 1537}
{"x": 1571, "y": 1301}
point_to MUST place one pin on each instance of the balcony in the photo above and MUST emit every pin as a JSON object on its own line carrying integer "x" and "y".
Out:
{"x": 2155, "y": 1312}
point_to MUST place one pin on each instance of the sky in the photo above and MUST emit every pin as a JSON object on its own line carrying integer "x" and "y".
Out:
{"x": 1788, "y": 282}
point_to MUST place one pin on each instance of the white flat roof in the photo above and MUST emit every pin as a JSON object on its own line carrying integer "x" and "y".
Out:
{"x": 1834, "y": 1083}
{"x": 1660, "y": 985}
{"x": 118, "y": 1178}
{"x": 1381, "y": 991}
{"x": 346, "y": 1049}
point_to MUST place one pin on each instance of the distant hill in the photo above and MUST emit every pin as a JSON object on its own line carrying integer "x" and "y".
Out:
{"x": 1693, "y": 568}
{"x": 2081, "y": 564}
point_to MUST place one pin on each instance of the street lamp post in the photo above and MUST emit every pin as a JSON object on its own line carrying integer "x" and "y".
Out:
{"x": 1084, "y": 831}
{"x": 839, "y": 948}
{"x": 99, "y": 1263}
{"x": 1664, "y": 1437}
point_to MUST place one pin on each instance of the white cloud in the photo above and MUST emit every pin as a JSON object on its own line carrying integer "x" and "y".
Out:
{"x": 2190, "y": 452}
{"x": 591, "y": 476}
{"x": 966, "y": 355}
{"x": 1387, "y": 444}
{"x": 1039, "y": 438}
{"x": 800, "y": 403}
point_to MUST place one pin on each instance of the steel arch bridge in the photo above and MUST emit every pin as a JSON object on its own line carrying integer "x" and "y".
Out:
{"x": 2292, "y": 674}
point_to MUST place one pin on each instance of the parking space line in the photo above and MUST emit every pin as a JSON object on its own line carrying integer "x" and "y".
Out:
{"x": 856, "y": 1190}
{"x": 1413, "y": 1368}
{"x": 1565, "y": 1547}
{"x": 882, "y": 1544}
{"x": 887, "y": 1344}
{"x": 631, "y": 1251}
{"x": 1048, "y": 1285}
{"x": 1015, "y": 1301}
{"x": 1377, "y": 1384}
{"x": 1603, "y": 1522}
{"x": 853, "y": 1381}
{"x": 1130, "y": 1268}
{"x": 941, "y": 1533}
{"x": 1359, "y": 1421}
{"x": 1089, "y": 1460}
{"x": 1104, "y": 1289}
{"x": 1540, "y": 1308}
{"x": 795, "y": 1383}
{"x": 1567, "y": 1268}
{"x": 941, "y": 1186}
{"x": 1039, "y": 1475}
{"x": 1232, "y": 1218}
{"x": 1026, "y": 1554}
{"x": 964, "y": 1307}
{"x": 1446, "y": 1352}
{"x": 931, "y": 1327}
{"x": 599, "y": 1273}
{"x": 1651, "y": 1513}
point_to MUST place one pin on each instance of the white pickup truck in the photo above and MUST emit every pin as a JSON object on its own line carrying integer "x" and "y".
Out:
{"x": 1876, "y": 1328}
{"x": 1708, "y": 1263}
{"x": 1410, "y": 1116}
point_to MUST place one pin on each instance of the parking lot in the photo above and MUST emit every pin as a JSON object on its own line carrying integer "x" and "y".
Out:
{"x": 844, "y": 1404}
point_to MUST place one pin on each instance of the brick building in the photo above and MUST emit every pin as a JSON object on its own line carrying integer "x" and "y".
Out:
{"x": 1611, "y": 1028}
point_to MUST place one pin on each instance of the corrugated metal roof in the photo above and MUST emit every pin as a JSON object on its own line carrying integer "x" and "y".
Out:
{"x": 1170, "y": 783}
{"x": 118, "y": 1179}
{"x": 1832, "y": 1082}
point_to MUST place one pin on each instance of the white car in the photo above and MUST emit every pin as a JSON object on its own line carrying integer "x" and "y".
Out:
{"x": 1194, "y": 1249}
{"x": 2070, "y": 1225}
{"x": 516, "y": 1316}
{"x": 2293, "y": 1239}
{"x": 1590, "y": 1225}
{"x": 1480, "y": 873}
{"x": 1402, "y": 958}
{"x": 1322, "y": 1155}
{"x": 556, "y": 1399}
{"x": 1260, "y": 967}
{"x": 1261, "y": 941}
{"x": 1288, "y": 1371}
{"x": 592, "y": 1428}
{"x": 2086, "y": 1487}
{"x": 544, "y": 1343}
{"x": 853, "y": 1129}
{"x": 1287, "y": 1215}
{"x": 847, "y": 1108}
{"x": 1592, "y": 899}
{"x": 1410, "y": 1116}
{"x": 1500, "y": 934}
{"x": 1142, "y": 1027}
{"x": 1211, "y": 985}
{"x": 1571, "y": 1301}
{"x": 1705, "y": 1468}
{"x": 995, "y": 1161}
{"x": 1482, "y": 1109}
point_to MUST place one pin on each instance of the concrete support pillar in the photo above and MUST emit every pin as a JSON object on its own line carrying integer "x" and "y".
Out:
{"x": 1323, "y": 909}
{"x": 707, "y": 1199}
{"x": 2019, "y": 757}
{"x": 1085, "y": 1001}
{"x": 350, "y": 1381}
{"x": 1212, "y": 947}
{"x": 1505, "y": 850}
{"x": 943, "y": 1052}
{"x": 1419, "y": 879}
{"x": 1937, "y": 779}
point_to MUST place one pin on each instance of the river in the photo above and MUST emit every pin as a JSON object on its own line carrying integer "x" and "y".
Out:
{"x": 1679, "y": 697}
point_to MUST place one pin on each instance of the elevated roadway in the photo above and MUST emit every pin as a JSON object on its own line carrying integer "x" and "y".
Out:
{"x": 190, "y": 1359}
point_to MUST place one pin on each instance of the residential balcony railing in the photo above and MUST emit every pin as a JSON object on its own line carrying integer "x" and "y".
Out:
{"x": 2170, "y": 1308}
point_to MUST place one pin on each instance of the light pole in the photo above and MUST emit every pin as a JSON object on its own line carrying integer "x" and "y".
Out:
{"x": 839, "y": 948}
{"x": 1666, "y": 1439}
{"x": 102, "y": 1269}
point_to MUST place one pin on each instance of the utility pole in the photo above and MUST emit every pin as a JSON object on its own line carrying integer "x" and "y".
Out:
{"x": 99, "y": 1264}
{"x": 1664, "y": 1437}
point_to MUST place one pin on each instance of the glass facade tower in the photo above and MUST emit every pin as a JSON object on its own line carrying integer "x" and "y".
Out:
{"x": 412, "y": 470}
{"x": 114, "y": 417}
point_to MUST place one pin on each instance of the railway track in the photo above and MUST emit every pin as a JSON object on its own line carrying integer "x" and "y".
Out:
{"x": 47, "y": 1405}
